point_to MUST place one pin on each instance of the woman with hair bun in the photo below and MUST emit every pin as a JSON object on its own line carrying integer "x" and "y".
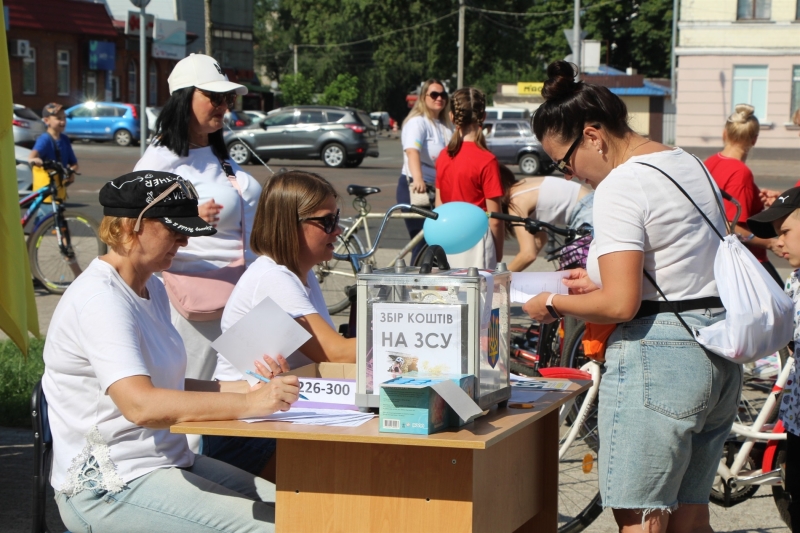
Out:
{"x": 734, "y": 177}
{"x": 666, "y": 406}
{"x": 468, "y": 172}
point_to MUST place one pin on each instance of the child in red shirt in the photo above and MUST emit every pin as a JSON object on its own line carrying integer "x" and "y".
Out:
{"x": 468, "y": 172}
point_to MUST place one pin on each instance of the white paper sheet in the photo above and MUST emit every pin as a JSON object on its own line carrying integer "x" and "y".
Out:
{"x": 265, "y": 330}
{"x": 526, "y": 285}
{"x": 541, "y": 385}
{"x": 317, "y": 417}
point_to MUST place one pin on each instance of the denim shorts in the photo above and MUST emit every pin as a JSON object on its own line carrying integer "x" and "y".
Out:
{"x": 665, "y": 410}
{"x": 582, "y": 213}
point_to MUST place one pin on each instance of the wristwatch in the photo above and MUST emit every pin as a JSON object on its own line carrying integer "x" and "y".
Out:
{"x": 550, "y": 307}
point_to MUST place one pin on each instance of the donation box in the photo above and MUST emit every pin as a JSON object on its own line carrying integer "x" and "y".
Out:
{"x": 446, "y": 322}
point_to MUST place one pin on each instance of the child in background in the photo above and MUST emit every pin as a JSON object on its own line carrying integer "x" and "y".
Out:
{"x": 782, "y": 220}
{"x": 468, "y": 172}
{"x": 53, "y": 145}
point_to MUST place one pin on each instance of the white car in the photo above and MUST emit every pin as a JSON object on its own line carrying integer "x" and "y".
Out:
{"x": 380, "y": 119}
{"x": 24, "y": 172}
{"x": 26, "y": 125}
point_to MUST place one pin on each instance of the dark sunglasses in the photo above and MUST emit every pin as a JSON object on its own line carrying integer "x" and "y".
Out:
{"x": 435, "y": 95}
{"x": 217, "y": 99}
{"x": 563, "y": 163}
{"x": 329, "y": 221}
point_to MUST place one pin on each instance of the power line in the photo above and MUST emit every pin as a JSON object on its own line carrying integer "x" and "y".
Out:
{"x": 368, "y": 39}
{"x": 542, "y": 14}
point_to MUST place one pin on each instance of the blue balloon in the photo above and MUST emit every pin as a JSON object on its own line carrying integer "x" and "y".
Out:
{"x": 460, "y": 226}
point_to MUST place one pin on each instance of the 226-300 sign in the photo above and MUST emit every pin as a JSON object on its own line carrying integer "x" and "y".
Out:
{"x": 337, "y": 392}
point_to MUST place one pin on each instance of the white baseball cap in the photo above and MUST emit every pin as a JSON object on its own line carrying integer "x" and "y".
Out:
{"x": 203, "y": 72}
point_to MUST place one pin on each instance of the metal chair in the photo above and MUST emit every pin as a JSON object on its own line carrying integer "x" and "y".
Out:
{"x": 42, "y": 449}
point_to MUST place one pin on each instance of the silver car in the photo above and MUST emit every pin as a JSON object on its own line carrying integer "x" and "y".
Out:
{"x": 27, "y": 126}
{"x": 24, "y": 172}
{"x": 513, "y": 143}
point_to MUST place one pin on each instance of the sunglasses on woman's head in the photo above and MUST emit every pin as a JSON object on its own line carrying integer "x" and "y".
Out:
{"x": 217, "y": 99}
{"x": 435, "y": 95}
{"x": 329, "y": 221}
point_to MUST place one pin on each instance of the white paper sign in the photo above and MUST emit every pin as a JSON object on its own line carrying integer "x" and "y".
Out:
{"x": 526, "y": 285}
{"x": 265, "y": 330}
{"x": 415, "y": 337}
{"x": 339, "y": 392}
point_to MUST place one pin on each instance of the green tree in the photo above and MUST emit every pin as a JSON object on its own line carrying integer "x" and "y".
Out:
{"x": 342, "y": 91}
{"x": 297, "y": 89}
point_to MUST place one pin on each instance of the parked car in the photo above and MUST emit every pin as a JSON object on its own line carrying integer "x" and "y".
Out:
{"x": 381, "y": 120}
{"x": 339, "y": 136}
{"x": 152, "y": 117}
{"x": 257, "y": 116}
{"x": 104, "y": 121}
{"x": 513, "y": 143}
{"x": 26, "y": 125}
{"x": 24, "y": 172}
{"x": 502, "y": 113}
{"x": 237, "y": 119}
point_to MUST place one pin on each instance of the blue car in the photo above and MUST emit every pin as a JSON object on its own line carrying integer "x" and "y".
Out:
{"x": 104, "y": 121}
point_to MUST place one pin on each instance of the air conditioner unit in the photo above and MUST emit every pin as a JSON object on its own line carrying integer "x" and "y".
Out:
{"x": 20, "y": 48}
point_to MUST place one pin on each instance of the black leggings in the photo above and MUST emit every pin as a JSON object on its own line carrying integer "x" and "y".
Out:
{"x": 413, "y": 225}
{"x": 793, "y": 478}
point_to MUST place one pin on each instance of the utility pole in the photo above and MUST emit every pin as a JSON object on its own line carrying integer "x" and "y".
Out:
{"x": 207, "y": 6}
{"x": 142, "y": 79}
{"x": 461, "y": 12}
{"x": 294, "y": 47}
{"x": 673, "y": 57}
{"x": 576, "y": 36}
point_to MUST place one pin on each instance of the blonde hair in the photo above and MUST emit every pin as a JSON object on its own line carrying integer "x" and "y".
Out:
{"x": 742, "y": 126}
{"x": 421, "y": 108}
{"x": 288, "y": 197}
{"x": 468, "y": 106}
{"x": 117, "y": 232}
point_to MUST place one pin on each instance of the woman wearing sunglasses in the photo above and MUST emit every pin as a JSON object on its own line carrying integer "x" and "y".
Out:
{"x": 666, "y": 406}
{"x": 114, "y": 381}
{"x": 189, "y": 142}
{"x": 426, "y": 131}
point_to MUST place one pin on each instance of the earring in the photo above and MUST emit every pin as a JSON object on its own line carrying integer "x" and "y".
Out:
{"x": 600, "y": 151}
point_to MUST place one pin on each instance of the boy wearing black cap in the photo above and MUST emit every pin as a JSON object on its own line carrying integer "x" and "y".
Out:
{"x": 53, "y": 145}
{"x": 782, "y": 220}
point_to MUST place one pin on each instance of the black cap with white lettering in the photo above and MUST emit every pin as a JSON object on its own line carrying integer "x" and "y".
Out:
{"x": 153, "y": 194}
{"x": 784, "y": 204}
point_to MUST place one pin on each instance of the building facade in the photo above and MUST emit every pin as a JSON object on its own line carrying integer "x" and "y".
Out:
{"x": 737, "y": 51}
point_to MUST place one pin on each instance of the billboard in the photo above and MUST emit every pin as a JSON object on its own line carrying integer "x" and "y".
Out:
{"x": 169, "y": 39}
{"x": 102, "y": 55}
{"x": 132, "y": 23}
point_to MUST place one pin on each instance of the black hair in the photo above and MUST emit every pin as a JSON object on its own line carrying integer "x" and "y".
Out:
{"x": 569, "y": 105}
{"x": 172, "y": 125}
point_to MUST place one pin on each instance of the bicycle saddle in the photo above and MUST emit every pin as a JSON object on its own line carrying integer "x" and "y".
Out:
{"x": 361, "y": 191}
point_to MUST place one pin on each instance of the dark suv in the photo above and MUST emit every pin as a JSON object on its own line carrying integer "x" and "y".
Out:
{"x": 339, "y": 136}
{"x": 513, "y": 143}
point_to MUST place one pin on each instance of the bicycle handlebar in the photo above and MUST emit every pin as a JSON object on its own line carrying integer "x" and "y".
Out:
{"x": 424, "y": 212}
{"x": 535, "y": 226}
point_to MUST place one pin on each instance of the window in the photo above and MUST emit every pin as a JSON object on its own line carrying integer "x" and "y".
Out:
{"x": 754, "y": 9}
{"x": 311, "y": 117}
{"x": 750, "y": 87}
{"x": 335, "y": 116}
{"x": 132, "y": 83}
{"x": 90, "y": 85}
{"x": 797, "y": 11}
{"x": 83, "y": 112}
{"x": 280, "y": 119}
{"x": 106, "y": 111}
{"x": 491, "y": 115}
{"x": 795, "y": 90}
{"x": 62, "y": 57}
{"x": 29, "y": 73}
{"x": 502, "y": 129}
{"x": 152, "y": 84}
{"x": 115, "y": 87}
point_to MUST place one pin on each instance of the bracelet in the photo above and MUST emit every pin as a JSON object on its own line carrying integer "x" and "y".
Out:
{"x": 746, "y": 239}
{"x": 550, "y": 307}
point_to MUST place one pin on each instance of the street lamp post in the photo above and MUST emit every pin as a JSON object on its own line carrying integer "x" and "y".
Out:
{"x": 141, "y": 4}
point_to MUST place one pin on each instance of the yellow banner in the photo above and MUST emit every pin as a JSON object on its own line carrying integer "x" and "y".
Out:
{"x": 530, "y": 87}
{"x": 17, "y": 303}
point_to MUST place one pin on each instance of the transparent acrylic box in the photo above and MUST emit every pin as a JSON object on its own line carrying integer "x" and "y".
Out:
{"x": 437, "y": 323}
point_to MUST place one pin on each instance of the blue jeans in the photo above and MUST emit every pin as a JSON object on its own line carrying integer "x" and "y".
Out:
{"x": 666, "y": 408}
{"x": 209, "y": 496}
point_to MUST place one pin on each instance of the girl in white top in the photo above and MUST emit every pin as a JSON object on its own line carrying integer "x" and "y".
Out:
{"x": 549, "y": 199}
{"x": 426, "y": 131}
{"x": 189, "y": 143}
{"x": 665, "y": 405}
{"x": 114, "y": 380}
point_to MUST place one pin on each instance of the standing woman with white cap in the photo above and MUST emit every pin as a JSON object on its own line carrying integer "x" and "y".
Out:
{"x": 188, "y": 142}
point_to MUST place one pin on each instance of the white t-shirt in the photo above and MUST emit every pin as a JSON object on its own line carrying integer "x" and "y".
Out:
{"x": 267, "y": 278}
{"x": 203, "y": 169}
{"x": 102, "y": 332}
{"x": 429, "y": 137}
{"x": 638, "y": 208}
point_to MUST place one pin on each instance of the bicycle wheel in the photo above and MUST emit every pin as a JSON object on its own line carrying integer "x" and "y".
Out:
{"x": 781, "y": 497}
{"x": 578, "y": 478}
{"x": 49, "y": 264}
{"x": 336, "y": 275}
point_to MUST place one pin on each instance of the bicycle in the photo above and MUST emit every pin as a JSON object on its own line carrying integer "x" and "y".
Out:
{"x": 62, "y": 243}
{"x": 337, "y": 275}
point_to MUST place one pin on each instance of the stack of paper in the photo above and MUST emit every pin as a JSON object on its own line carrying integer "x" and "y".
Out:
{"x": 317, "y": 417}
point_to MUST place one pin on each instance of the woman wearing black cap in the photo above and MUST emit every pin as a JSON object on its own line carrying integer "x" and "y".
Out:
{"x": 114, "y": 380}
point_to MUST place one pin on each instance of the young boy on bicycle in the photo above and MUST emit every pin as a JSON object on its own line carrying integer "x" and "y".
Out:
{"x": 782, "y": 220}
{"x": 53, "y": 145}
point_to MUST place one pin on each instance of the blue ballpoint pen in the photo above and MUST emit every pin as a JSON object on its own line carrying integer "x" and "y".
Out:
{"x": 265, "y": 380}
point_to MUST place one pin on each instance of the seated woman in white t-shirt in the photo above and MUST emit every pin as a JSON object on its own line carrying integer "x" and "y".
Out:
{"x": 115, "y": 382}
{"x": 548, "y": 199}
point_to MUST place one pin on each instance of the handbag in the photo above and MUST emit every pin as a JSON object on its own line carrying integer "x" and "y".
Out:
{"x": 421, "y": 199}
{"x": 202, "y": 296}
{"x": 759, "y": 314}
